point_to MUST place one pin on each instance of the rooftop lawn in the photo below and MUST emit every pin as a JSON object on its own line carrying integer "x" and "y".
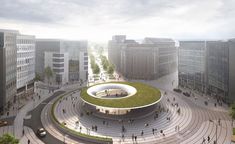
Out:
{"x": 145, "y": 95}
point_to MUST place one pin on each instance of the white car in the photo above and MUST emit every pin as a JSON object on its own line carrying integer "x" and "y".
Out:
{"x": 41, "y": 132}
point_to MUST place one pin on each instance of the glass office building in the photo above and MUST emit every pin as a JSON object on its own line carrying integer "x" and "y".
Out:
{"x": 192, "y": 65}
{"x": 208, "y": 67}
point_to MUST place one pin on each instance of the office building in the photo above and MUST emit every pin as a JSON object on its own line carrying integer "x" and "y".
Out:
{"x": 207, "y": 67}
{"x": 77, "y": 57}
{"x": 8, "y": 66}
{"x": 58, "y": 62}
{"x": 192, "y": 65}
{"x": 151, "y": 59}
{"x": 25, "y": 63}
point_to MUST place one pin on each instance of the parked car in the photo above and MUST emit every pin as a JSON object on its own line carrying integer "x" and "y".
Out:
{"x": 3, "y": 123}
{"x": 41, "y": 132}
{"x": 186, "y": 94}
{"x": 177, "y": 90}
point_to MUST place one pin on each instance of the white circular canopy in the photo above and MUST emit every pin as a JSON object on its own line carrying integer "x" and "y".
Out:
{"x": 97, "y": 88}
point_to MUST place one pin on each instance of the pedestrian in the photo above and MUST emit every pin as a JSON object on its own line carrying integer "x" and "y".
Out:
{"x": 28, "y": 141}
{"x": 135, "y": 138}
{"x": 132, "y": 137}
{"x": 208, "y": 138}
{"x": 204, "y": 140}
{"x": 153, "y": 130}
{"x": 142, "y": 133}
{"x": 23, "y": 131}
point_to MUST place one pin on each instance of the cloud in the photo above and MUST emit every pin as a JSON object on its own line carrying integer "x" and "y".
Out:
{"x": 139, "y": 18}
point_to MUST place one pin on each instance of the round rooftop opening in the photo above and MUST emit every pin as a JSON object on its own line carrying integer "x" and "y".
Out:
{"x": 111, "y": 91}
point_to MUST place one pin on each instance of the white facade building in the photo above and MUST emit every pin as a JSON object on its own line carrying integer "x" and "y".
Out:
{"x": 59, "y": 63}
{"x": 25, "y": 60}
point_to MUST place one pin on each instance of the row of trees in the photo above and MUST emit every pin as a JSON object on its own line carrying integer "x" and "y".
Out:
{"x": 94, "y": 66}
{"x": 106, "y": 64}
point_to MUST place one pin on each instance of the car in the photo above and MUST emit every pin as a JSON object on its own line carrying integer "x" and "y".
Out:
{"x": 177, "y": 90}
{"x": 41, "y": 132}
{"x": 186, "y": 94}
{"x": 3, "y": 123}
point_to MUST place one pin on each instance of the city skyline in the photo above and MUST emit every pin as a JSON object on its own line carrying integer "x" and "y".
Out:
{"x": 210, "y": 19}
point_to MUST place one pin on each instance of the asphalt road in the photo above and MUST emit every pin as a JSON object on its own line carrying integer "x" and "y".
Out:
{"x": 35, "y": 122}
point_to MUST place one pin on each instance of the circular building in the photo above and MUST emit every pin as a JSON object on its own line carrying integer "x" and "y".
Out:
{"x": 118, "y": 98}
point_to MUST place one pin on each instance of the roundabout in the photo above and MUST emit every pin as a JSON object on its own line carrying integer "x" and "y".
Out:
{"x": 70, "y": 117}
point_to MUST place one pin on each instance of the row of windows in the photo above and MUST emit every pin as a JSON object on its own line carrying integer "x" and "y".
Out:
{"x": 25, "y": 61}
{"x": 25, "y": 68}
{"x": 25, "y": 54}
{"x": 25, "y": 41}
{"x": 25, "y": 74}
{"x": 58, "y": 70}
{"x": 10, "y": 76}
{"x": 85, "y": 58}
{"x": 58, "y": 55}
{"x": 57, "y": 60}
{"x": 26, "y": 48}
{"x": 58, "y": 65}
{"x": 11, "y": 85}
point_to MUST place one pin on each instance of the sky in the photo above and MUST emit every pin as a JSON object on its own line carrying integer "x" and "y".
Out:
{"x": 98, "y": 20}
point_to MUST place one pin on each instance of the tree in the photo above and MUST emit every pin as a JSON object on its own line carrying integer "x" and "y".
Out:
{"x": 48, "y": 73}
{"x": 8, "y": 139}
{"x": 110, "y": 69}
{"x": 37, "y": 77}
{"x": 96, "y": 69}
{"x": 232, "y": 112}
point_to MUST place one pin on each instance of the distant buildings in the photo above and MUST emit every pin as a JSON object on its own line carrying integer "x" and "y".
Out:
{"x": 208, "y": 67}
{"x": 149, "y": 60}
{"x": 8, "y": 65}
{"x": 59, "y": 63}
{"x": 75, "y": 54}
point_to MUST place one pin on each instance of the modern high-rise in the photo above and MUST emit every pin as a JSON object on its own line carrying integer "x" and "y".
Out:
{"x": 8, "y": 66}
{"x": 77, "y": 56}
{"x": 25, "y": 61}
{"x": 151, "y": 59}
{"x": 208, "y": 67}
{"x": 192, "y": 64}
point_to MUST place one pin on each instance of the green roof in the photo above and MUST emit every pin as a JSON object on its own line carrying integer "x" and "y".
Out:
{"x": 145, "y": 95}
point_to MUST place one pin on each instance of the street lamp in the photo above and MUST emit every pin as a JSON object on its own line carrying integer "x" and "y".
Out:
{"x": 65, "y": 137}
{"x": 215, "y": 130}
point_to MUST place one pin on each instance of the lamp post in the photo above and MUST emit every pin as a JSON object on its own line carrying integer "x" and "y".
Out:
{"x": 65, "y": 137}
{"x": 215, "y": 130}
